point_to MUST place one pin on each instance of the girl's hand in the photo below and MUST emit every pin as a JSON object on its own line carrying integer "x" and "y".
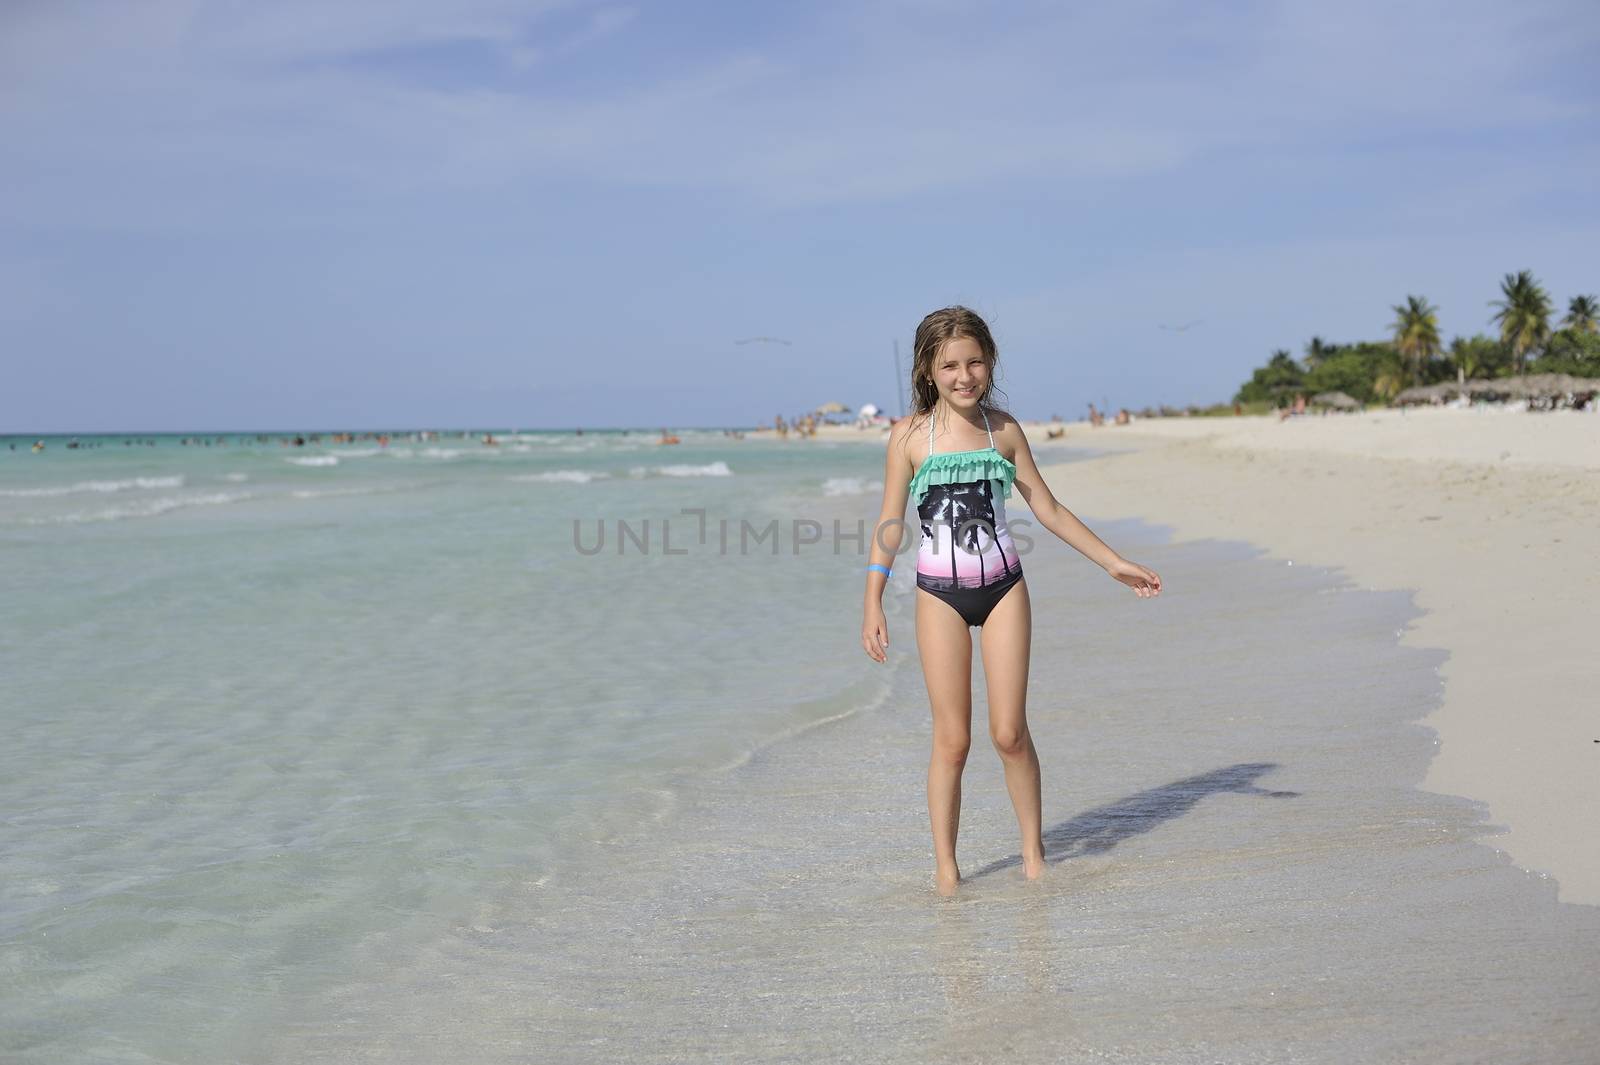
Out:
{"x": 1146, "y": 583}
{"x": 875, "y": 634}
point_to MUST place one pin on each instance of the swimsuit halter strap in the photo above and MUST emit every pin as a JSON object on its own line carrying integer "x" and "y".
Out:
{"x": 986, "y": 428}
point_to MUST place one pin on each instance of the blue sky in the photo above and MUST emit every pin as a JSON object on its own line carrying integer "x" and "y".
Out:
{"x": 227, "y": 214}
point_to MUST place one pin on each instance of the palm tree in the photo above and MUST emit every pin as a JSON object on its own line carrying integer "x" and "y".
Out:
{"x": 1524, "y": 315}
{"x": 1318, "y": 352}
{"x": 1581, "y": 315}
{"x": 1416, "y": 334}
{"x": 1465, "y": 357}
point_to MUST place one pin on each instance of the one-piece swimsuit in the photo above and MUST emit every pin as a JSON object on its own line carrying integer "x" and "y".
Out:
{"x": 966, "y": 556}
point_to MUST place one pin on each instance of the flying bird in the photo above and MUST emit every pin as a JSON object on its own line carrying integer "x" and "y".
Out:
{"x": 764, "y": 340}
{"x": 1185, "y": 327}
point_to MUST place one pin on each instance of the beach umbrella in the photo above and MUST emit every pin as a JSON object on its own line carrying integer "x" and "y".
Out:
{"x": 868, "y": 410}
{"x": 832, "y": 408}
{"x": 1426, "y": 393}
{"x": 1498, "y": 388}
{"x": 1558, "y": 384}
{"x": 1336, "y": 400}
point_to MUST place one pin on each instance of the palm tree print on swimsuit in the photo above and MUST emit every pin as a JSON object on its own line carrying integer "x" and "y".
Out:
{"x": 971, "y": 517}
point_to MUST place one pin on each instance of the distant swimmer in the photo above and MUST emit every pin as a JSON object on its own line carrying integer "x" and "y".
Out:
{"x": 38, "y": 445}
{"x": 668, "y": 438}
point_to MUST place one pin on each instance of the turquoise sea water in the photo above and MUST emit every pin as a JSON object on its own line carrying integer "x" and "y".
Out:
{"x": 359, "y": 752}
{"x": 266, "y": 705}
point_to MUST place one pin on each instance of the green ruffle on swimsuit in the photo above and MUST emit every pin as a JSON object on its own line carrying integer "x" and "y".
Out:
{"x": 957, "y": 467}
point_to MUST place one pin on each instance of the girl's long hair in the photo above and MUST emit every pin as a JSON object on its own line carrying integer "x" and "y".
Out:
{"x": 932, "y": 334}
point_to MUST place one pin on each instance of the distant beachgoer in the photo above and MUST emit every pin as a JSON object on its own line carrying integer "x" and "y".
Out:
{"x": 968, "y": 570}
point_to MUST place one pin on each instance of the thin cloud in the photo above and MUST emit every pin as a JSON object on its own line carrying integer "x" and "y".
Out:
{"x": 896, "y": 108}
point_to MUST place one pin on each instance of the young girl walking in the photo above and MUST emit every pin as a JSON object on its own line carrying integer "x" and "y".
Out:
{"x": 956, "y": 458}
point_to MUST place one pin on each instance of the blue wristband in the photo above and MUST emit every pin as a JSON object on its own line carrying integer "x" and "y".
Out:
{"x": 885, "y": 570}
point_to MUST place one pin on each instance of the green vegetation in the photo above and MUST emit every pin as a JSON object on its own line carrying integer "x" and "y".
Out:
{"x": 1576, "y": 353}
{"x": 1376, "y": 371}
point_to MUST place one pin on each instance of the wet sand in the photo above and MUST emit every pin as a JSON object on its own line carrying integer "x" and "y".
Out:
{"x": 1488, "y": 514}
{"x": 1241, "y": 868}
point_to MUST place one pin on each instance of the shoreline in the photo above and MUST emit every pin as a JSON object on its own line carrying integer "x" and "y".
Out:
{"x": 1486, "y": 515}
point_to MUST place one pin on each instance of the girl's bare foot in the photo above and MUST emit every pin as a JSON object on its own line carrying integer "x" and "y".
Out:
{"x": 1032, "y": 866}
{"x": 946, "y": 879}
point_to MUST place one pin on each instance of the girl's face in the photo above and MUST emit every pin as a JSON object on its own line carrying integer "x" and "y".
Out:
{"x": 960, "y": 373}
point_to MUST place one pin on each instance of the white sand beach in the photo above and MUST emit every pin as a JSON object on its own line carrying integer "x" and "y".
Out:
{"x": 1489, "y": 514}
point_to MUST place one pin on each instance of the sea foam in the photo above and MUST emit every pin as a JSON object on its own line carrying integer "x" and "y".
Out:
{"x": 710, "y": 469}
{"x": 125, "y": 485}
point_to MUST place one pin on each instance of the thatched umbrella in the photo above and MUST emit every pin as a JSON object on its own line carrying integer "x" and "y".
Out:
{"x": 1559, "y": 384}
{"x": 1426, "y": 393}
{"x": 832, "y": 408}
{"x": 1336, "y": 400}
{"x": 1498, "y": 388}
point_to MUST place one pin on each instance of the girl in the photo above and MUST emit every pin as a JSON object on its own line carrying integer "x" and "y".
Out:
{"x": 957, "y": 458}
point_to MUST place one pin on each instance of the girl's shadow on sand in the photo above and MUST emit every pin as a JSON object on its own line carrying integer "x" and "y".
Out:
{"x": 1104, "y": 827}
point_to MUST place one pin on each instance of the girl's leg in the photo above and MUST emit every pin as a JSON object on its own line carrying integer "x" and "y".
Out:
{"x": 1007, "y": 637}
{"x": 945, "y": 645}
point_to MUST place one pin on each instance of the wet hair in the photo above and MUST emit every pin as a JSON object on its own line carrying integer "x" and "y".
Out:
{"x": 938, "y": 328}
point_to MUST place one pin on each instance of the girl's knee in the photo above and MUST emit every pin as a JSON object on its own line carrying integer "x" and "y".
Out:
{"x": 1010, "y": 741}
{"x": 952, "y": 750}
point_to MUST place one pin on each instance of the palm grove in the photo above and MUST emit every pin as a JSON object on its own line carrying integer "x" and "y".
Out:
{"x": 1378, "y": 371}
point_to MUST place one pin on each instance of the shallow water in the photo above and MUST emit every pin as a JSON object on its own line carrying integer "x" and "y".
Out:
{"x": 375, "y": 765}
{"x": 267, "y": 707}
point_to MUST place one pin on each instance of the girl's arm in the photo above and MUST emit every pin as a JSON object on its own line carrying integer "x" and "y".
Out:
{"x": 1061, "y": 521}
{"x": 886, "y": 535}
